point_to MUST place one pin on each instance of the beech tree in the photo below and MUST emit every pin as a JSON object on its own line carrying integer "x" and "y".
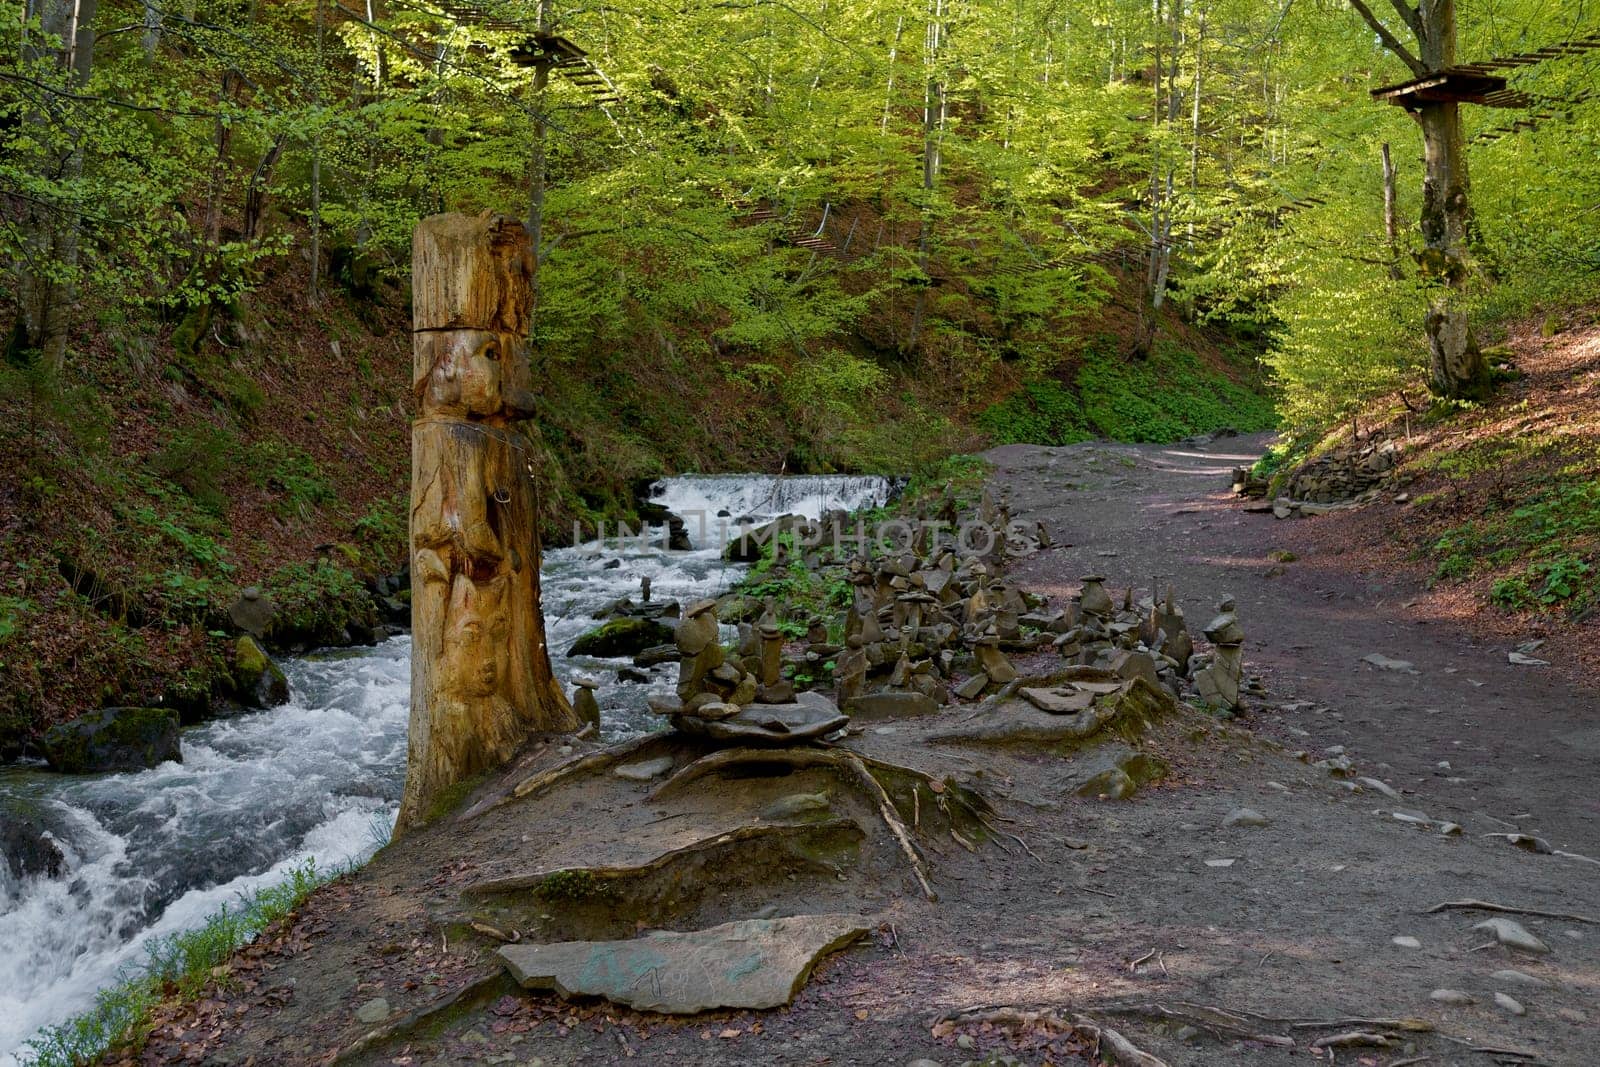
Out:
{"x": 1458, "y": 370}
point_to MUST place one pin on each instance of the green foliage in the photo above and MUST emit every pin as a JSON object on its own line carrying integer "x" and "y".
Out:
{"x": 293, "y": 474}
{"x": 12, "y": 611}
{"x": 198, "y": 461}
{"x": 180, "y": 965}
{"x": 313, "y": 598}
{"x": 1166, "y": 397}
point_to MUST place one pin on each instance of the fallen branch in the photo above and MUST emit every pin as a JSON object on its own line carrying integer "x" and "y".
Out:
{"x": 1484, "y": 905}
{"x": 1108, "y": 1042}
{"x": 1123, "y": 1051}
{"x": 892, "y": 819}
{"x": 1219, "y": 1022}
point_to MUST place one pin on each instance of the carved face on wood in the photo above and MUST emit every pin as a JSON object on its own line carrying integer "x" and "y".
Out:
{"x": 475, "y": 374}
{"x": 476, "y": 638}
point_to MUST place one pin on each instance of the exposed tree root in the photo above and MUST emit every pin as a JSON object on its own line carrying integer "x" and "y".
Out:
{"x": 860, "y": 771}
{"x": 582, "y": 763}
{"x": 480, "y": 983}
{"x": 1218, "y": 1022}
{"x": 1484, "y": 905}
{"x": 716, "y": 843}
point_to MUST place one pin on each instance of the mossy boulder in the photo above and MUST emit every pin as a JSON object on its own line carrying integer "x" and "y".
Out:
{"x": 113, "y": 739}
{"x": 257, "y": 681}
{"x": 621, "y": 637}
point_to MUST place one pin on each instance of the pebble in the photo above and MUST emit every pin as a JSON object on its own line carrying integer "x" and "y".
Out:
{"x": 1513, "y": 934}
{"x": 1572, "y": 1015}
{"x": 373, "y": 1011}
{"x": 1452, "y": 996}
{"x": 923, "y": 1062}
{"x": 644, "y": 770}
{"x": 1510, "y": 977}
{"x": 967, "y": 1042}
{"x": 1510, "y": 1004}
{"x": 1220, "y": 863}
{"x": 1279, "y": 786}
{"x": 1379, "y": 786}
{"x": 1406, "y": 942}
{"x": 1245, "y": 817}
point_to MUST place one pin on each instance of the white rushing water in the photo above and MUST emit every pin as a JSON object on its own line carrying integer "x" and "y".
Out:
{"x": 156, "y": 852}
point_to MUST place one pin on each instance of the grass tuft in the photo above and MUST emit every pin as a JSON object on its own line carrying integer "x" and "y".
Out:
{"x": 178, "y": 966}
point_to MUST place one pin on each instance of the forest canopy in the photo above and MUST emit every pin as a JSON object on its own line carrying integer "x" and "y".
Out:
{"x": 798, "y": 198}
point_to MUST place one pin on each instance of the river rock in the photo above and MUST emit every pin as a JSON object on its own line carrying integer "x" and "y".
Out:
{"x": 657, "y": 654}
{"x": 1059, "y": 700}
{"x": 586, "y": 706}
{"x": 890, "y": 705}
{"x": 748, "y": 965}
{"x": 253, "y": 612}
{"x": 972, "y": 687}
{"x": 1507, "y": 1003}
{"x": 797, "y": 806}
{"x": 27, "y": 850}
{"x": 1454, "y": 997}
{"x": 373, "y": 1011}
{"x": 644, "y": 770}
{"x": 113, "y": 739}
{"x": 257, "y": 681}
{"x": 1245, "y": 817}
{"x": 622, "y": 637}
{"x": 769, "y": 724}
{"x": 1513, "y": 934}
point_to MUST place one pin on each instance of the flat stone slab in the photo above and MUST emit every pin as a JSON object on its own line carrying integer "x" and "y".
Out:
{"x": 1062, "y": 701}
{"x": 751, "y": 964}
{"x": 890, "y": 705}
{"x": 769, "y": 724}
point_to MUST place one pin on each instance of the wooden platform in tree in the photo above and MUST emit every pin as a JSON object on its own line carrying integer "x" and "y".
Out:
{"x": 1467, "y": 85}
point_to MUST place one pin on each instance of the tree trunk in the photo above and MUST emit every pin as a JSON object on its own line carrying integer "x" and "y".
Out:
{"x": 933, "y": 119}
{"x": 1459, "y": 370}
{"x": 481, "y": 681}
{"x": 1391, "y": 224}
{"x": 47, "y": 289}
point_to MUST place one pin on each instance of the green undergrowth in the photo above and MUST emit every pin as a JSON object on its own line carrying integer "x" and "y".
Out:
{"x": 1543, "y": 549}
{"x": 1168, "y": 396}
{"x": 177, "y": 967}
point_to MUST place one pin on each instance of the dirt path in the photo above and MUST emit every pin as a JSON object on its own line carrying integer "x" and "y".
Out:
{"x": 1124, "y": 910}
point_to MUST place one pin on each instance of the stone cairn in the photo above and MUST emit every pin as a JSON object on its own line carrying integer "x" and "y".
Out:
{"x": 927, "y": 627}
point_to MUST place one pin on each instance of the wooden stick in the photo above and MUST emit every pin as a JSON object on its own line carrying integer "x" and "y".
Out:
{"x": 1484, "y": 905}
{"x": 891, "y": 819}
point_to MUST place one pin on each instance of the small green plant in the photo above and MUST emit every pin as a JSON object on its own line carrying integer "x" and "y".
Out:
{"x": 573, "y": 885}
{"x": 12, "y": 609}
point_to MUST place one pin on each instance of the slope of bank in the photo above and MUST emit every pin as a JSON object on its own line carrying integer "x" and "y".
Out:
{"x": 1491, "y": 514}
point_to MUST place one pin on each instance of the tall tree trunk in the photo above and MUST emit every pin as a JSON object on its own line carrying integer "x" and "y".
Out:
{"x": 1391, "y": 222}
{"x": 47, "y": 288}
{"x": 481, "y": 681}
{"x": 1459, "y": 370}
{"x": 537, "y": 162}
{"x": 933, "y": 119}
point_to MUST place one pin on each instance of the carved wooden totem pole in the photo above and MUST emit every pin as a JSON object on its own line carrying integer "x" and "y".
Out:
{"x": 480, "y": 673}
